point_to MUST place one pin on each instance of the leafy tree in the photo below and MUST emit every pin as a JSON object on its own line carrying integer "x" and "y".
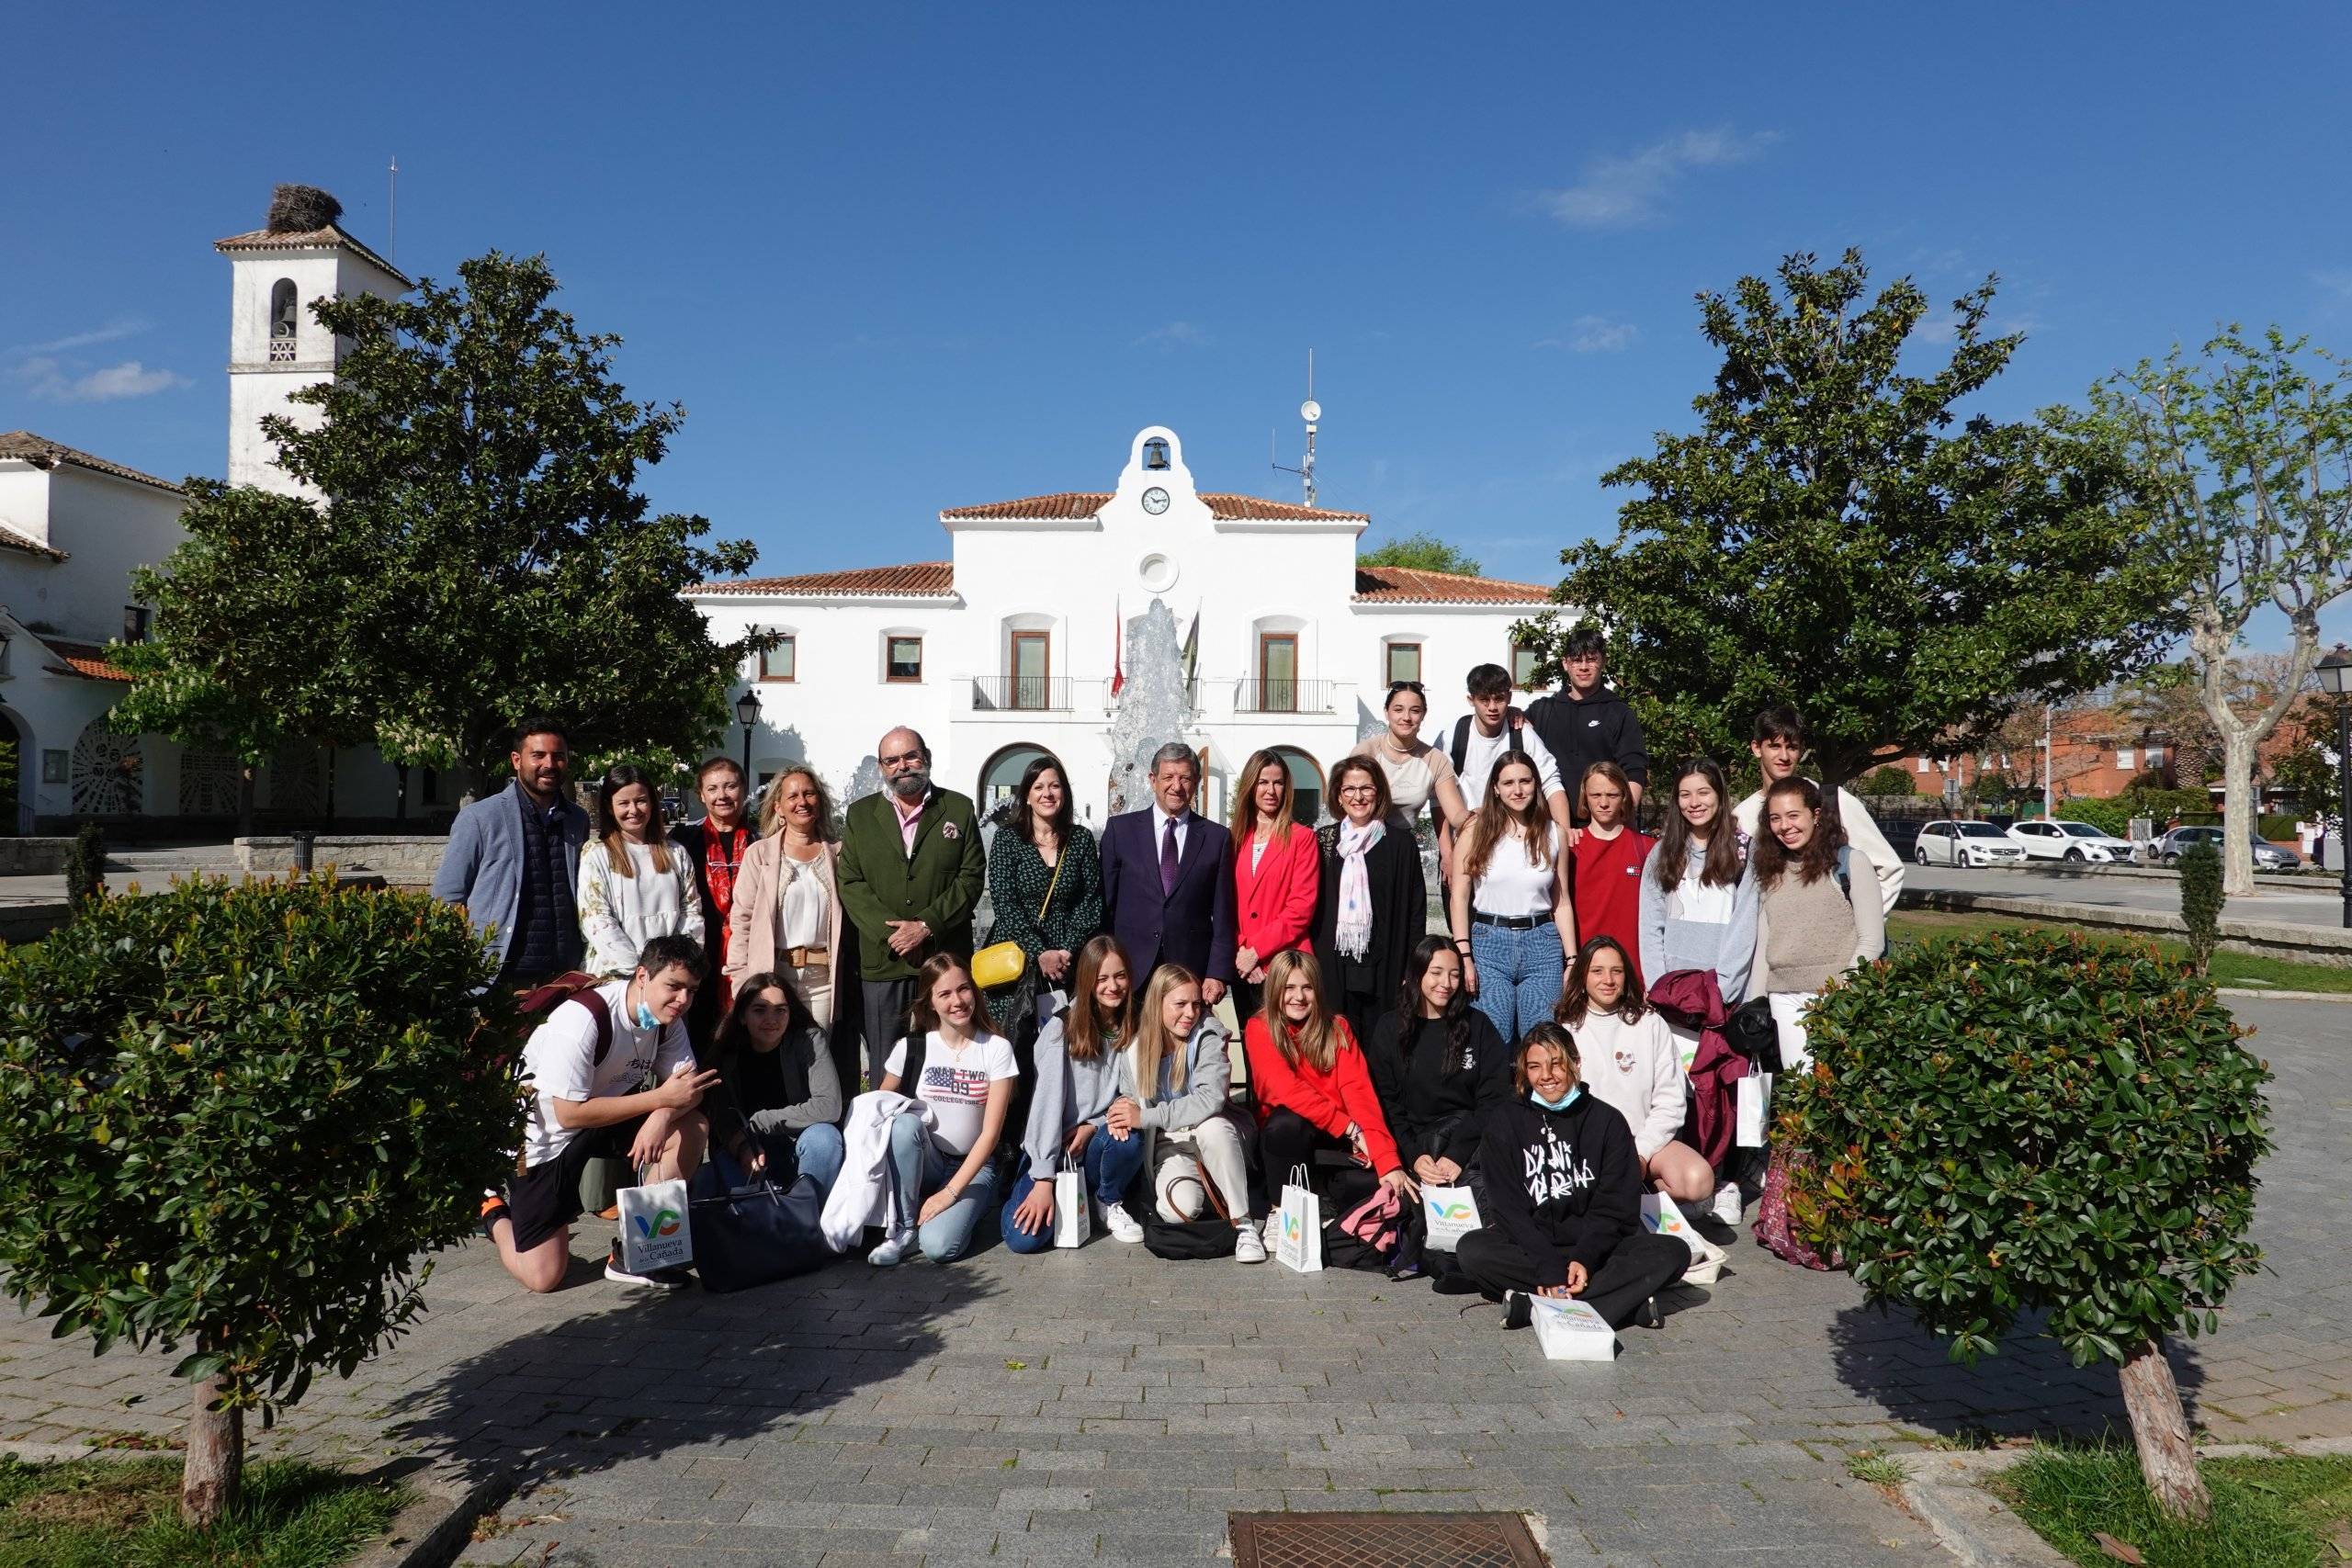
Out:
{"x": 2011, "y": 1124}
{"x": 1422, "y": 551}
{"x": 1838, "y": 534}
{"x": 251, "y": 641}
{"x": 478, "y": 457}
{"x": 2201, "y": 897}
{"x": 2246, "y": 457}
{"x": 230, "y": 1117}
{"x": 2307, "y": 773}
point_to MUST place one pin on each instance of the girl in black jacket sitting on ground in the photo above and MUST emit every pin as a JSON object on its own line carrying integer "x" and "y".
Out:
{"x": 1438, "y": 1066}
{"x": 1565, "y": 1186}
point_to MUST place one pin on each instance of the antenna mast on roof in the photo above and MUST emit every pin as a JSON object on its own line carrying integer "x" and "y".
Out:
{"x": 393, "y": 212}
{"x": 1312, "y": 412}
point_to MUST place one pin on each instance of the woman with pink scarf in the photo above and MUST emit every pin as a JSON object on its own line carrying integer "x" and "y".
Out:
{"x": 1371, "y": 904}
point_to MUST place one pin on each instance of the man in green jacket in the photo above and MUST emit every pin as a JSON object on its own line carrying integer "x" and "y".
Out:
{"x": 910, "y": 874}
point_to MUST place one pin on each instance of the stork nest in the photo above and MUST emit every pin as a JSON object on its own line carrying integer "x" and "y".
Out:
{"x": 301, "y": 209}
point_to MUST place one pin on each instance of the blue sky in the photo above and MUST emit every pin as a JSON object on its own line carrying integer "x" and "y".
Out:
{"x": 893, "y": 258}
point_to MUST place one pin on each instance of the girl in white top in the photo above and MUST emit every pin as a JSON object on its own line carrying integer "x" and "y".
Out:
{"x": 1513, "y": 916}
{"x": 1417, "y": 773}
{"x": 954, "y": 1061}
{"x": 1633, "y": 1062}
{"x": 633, "y": 888}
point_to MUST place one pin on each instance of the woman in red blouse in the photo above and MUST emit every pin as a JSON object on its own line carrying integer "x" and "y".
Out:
{"x": 1311, "y": 1084}
{"x": 1277, "y": 872}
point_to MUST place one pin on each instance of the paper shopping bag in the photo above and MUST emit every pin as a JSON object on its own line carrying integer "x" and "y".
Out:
{"x": 1073, "y": 1217}
{"x": 1570, "y": 1330}
{"x": 1662, "y": 1215}
{"x": 1300, "y": 1243}
{"x": 1450, "y": 1212}
{"x": 1755, "y": 1110}
{"x": 654, "y": 1230}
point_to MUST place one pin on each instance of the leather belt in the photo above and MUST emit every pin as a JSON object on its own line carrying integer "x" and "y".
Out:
{"x": 1508, "y": 922}
{"x": 808, "y": 957}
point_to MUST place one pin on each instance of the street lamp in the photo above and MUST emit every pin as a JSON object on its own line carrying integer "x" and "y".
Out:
{"x": 2335, "y": 674}
{"x": 747, "y": 714}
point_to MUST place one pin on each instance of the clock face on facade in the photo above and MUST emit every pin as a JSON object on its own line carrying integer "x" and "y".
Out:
{"x": 1155, "y": 501}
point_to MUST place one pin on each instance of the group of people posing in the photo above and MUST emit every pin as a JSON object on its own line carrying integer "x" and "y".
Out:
{"x": 1537, "y": 1051}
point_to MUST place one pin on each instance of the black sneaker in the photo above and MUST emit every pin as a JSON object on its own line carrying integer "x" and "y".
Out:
{"x": 493, "y": 1209}
{"x": 658, "y": 1278}
{"x": 1519, "y": 1310}
{"x": 1649, "y": 1317}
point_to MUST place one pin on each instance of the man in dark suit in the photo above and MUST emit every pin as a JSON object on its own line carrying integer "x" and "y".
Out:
{"x": 1167, "y": 879}
{"x": 909, "y": 874}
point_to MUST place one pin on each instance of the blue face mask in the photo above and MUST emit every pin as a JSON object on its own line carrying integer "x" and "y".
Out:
{"x": 1560, "y": 1104}
{"x": 645, "y": 1018}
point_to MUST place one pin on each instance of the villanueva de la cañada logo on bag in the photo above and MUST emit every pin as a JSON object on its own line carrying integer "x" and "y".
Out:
{"x": 664, "y": 1223}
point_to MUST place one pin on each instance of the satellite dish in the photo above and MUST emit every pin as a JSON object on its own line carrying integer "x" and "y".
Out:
{"x": 1310, "y": 411}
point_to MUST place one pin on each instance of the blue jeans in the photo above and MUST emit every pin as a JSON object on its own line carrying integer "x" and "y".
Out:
{"x": 817, "y": 1152}
{"x": 1111, "y": 1164}
{"x": 1518, "y": 975}
{"x": 922, "y": 1169}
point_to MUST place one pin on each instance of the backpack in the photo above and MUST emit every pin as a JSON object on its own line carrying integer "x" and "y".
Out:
{"x": 538, "y": 1004}
{"x": 1459, "y": 753}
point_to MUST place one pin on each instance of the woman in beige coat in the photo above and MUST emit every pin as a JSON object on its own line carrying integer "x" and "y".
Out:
{"x": 786, "y": 915}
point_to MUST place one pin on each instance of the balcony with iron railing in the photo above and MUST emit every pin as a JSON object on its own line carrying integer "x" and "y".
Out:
{"x": 1027, "y": 693}
{"x": 1286, "y": 694}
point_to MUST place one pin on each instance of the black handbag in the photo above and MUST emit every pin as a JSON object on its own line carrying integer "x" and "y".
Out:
{"x": 1179, "y": 1240}
{"x": 758, "y": 1234}
{"x": 1751, "y": 1032}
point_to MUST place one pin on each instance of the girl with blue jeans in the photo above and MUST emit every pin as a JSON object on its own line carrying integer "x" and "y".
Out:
{"x": 954, "y": 1061}
{"x": 1078, "y": 1059}
{"x": 1513, "y": 918}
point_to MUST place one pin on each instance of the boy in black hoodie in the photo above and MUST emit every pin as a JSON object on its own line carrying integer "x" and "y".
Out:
{"x": 1564, "y": 1189}
{"x": 1586, "y": 722}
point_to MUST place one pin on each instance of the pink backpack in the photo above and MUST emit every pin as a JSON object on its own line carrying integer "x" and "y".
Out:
{"x": 1377, "y": 1221}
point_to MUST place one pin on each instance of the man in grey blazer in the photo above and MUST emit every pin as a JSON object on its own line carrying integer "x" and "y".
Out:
{"x": 513, "y": 863}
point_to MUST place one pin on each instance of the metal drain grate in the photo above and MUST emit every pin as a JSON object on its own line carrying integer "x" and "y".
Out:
{"x": 1381, "y": 1540}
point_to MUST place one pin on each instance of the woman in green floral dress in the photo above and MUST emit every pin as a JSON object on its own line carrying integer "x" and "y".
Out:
{"x": 1046, "y": 884}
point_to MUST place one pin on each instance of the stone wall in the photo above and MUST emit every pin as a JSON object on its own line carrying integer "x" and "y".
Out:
{"x": 407, "y": 862}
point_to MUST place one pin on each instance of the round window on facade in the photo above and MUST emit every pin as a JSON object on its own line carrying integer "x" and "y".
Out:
{"x": 1157, "y": 572}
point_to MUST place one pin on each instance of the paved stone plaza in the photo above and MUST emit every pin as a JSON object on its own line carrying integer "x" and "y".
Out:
{"x": 1106, "y": 1406}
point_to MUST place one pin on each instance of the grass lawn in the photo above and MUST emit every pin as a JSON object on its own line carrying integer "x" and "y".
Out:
{"x": 2250, "y": 969}
{"x": 125, "y": 1513}
{"x": 2268, "y": 1513}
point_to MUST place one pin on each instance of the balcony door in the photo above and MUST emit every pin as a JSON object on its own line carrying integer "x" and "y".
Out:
{"x": 1032, "y": 670}
{"x": 1278, "y": 673}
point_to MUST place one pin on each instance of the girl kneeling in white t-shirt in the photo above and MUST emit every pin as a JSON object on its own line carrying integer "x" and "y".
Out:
{"x": 964, "y": 1071}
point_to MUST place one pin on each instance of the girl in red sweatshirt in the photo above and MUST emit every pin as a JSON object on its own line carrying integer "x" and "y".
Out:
{"x": 1313, "y": 1088}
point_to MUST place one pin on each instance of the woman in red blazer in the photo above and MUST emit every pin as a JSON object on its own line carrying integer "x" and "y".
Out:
{"x": 1276, "y": 875}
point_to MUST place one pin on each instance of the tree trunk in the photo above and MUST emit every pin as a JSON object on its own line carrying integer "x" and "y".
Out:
{"x": 400, "y": 796}
{"x": 244, "y": 800}
{"x": 2160, "y": 1431}
{"x": 215, "y": 1469}
{"x": 2238, "y": 810}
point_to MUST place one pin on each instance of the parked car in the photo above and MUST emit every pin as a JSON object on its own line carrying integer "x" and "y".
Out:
{"x": 2168, "y": 849}
{"x": 2058, "y": 839}
{"x": 1966, "y": 843}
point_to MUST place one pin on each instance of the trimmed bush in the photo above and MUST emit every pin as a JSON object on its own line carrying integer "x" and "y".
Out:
{"x": 1888, "y": 780}
{"x": 2200, "y": 901}
{"x": 2113, "y": 817}
{"x": 232, "y": 1117}
{"x": 2276, "y": 829}
{"x": 2021, "y": 1121}
{"x": 85, "y": 867}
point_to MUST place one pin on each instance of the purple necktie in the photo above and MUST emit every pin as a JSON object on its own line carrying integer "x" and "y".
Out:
{"x": 1168, "y": 859}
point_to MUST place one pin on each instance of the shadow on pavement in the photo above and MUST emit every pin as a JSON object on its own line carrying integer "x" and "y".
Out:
{"x": 635, "y": 1374}
{"x": 2031, "y": 1388}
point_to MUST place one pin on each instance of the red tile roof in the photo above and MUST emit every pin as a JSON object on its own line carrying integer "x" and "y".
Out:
{"x": 1405, "y": 585}
{"x": 304, "y": 240}
{"x": 924, "y": 579}
{"x": 41, "y": 452}
{"x": 1082, "y": 504}
{"x": 11, "y": 539}
{"x": 84, "y": 658}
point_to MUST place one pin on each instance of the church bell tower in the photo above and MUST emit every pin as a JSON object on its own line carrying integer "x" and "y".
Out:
{"x": 275, "y": 344}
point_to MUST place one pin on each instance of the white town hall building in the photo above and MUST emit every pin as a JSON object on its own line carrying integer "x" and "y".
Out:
{"x": 1014, "y": 644}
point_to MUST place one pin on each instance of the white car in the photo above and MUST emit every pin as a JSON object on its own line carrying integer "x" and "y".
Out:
{"x": 2078, "y": 842}
{"x": 1966, "y": 843}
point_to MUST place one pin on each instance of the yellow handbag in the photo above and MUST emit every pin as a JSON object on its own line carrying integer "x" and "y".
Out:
{"x": 1002, "y": 963}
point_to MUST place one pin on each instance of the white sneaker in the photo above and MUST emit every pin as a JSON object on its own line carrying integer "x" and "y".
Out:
{"x": 1246, "y": 1247}
{"x": 656, "y": 1279}
{"x": 893, "y": 1250}
{"x": 1115, "y": 1219}
{"x": 1728, "y": 1203}
{"x": 1272, "y": 1235}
